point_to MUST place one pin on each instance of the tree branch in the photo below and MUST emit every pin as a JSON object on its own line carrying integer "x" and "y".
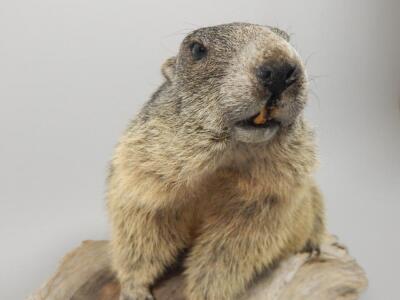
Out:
{"x": 85, "y": 274}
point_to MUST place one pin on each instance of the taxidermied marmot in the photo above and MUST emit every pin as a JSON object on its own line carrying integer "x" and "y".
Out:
{"x": 219, "y": 162}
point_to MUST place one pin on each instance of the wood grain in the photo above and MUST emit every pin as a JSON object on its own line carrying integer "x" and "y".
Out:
{"x": 85, "y": 274}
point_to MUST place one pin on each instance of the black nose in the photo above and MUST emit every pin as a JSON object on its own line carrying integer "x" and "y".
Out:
{"x": 277, "y": 76}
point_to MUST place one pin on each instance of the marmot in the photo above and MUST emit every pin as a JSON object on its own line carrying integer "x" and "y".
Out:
{"x": 219, "y": 163}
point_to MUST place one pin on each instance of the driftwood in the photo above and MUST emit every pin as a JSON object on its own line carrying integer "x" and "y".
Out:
{"x": 84, "y": 274}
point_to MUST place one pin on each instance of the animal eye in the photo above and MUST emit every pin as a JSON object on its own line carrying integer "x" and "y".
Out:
{"x": 198, "y": 51}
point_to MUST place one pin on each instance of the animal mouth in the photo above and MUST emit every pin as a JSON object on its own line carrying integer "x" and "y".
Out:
{"x": 263, "y": 119}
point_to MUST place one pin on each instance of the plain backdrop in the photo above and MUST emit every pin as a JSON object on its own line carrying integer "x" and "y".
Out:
{"x": 73, "y": 72}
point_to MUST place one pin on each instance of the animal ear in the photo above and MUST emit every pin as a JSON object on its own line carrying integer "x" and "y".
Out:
{"x": 280, "y": 32}
{"x": 168, "y": 68}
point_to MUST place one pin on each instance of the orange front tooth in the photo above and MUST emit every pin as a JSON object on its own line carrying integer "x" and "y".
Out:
{"x": 261, "y": 117}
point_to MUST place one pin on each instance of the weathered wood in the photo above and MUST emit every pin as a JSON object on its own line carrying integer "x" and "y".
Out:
{"x": 84, "y": 274}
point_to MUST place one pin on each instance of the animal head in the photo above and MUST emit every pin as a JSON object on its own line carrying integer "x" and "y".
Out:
{"x": 242, "y": 77}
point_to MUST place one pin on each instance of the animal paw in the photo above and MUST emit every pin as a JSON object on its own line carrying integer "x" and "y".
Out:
{"x": 136, "y": 294}
{"x": 313, "y": 249}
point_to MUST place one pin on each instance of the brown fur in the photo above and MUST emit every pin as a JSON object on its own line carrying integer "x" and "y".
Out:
{"x": 184, "y": 177}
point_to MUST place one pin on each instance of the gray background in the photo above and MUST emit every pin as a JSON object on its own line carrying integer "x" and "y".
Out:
{"x": 73, "y": 72}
